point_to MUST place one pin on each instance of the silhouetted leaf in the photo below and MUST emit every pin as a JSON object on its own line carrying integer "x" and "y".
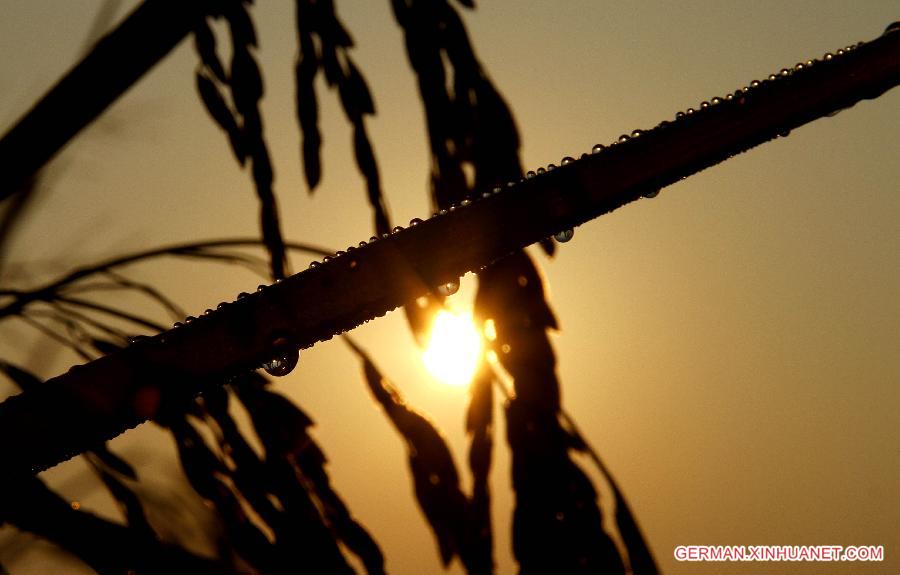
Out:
{"x": 308, "y": 116}
{"x": 107, "y": 547}
{"x": 114, "y": 462}
{"x": 355, "y": 95}
{"x": 246, "y": 82}
{"x": 128, "y": 502}
{"x": 222, "y": 114}
{"x": 280, "y": 425}
{"x": 207, "y": 473}
{"x": 105, "y": 346}
{"x": 205, "y": 43}
{"x": 435, "y": 478}
{"x": 243, "y": 33}
{"x": 641, "y": 561}
{"x": 22, "y": 378}
{"x": 318, "y": 20}
{"x": 557, "y": 526}
{"x": 479, "y": 426}
{"x": 296, "y": 465}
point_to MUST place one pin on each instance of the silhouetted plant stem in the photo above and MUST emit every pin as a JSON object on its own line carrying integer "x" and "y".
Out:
{"x": 144, "y": 38}
{"x": 389, "y": 272}
{"x": 191, "y": 249}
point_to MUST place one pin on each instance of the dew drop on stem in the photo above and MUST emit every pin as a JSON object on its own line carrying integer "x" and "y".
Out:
{"x": 448, "y": 288}
{"x": 283, "y": 364}
{"x": 564, "y": 236}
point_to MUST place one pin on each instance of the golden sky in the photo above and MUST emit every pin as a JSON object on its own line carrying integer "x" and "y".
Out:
{"x": 730, "y": 347}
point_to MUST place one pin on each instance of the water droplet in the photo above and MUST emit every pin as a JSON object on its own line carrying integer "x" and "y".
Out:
{"x": 385, "y": 236}
{"x": 530, "y": 174}
{"x": 636, "y": 133}
{"x": 326, "y": 259}
{"x": 704, "y": 105}
{"x": 755, "y": 84}
{"x": 283, "y": 364}
{"x": 729, "y": 97}
{"x": 178, "y": 324}
{"x": 222, "y": 305}
{"x": 810, "y": 63}
{"x": 772, "y": 77}
{"x": 448, "y": 288}
{"x": 597, "y": 148}
{"x": 689, "y": 111}
{"x": 189, "y": 319}
{"x": 313, "y": 264}
{"x": 414, "y": 222}
{"x": 339, "y": 253}
{"x": 624, "y": 138}
{"x": 651, "y": 193}
{"x": 397, "y": 229}
{"x": 583, "y": 156}
{"x": 892, "y": 27}
{"x": 452, "y": 208}
{"x": 564, "y": 236}
{"x": 541, "y": 171}
{"x": 260, "y": 287}
{"x": 207, "y": 311}
{"x": 486, "y": 195}
{"x": 680, "y": 115}
{"x": 829, "y": 56}
{"x": 551, "y": 167}
{"x": 497, "y": 189}
{"x": 716, "y": 101}
{"x": 785, "y": 72}
{"x": 567, "y": 160}
{"x": 442, "y": 212}
{"x": 465, "y": 202}
{"x": 784, "y": 133}
{"x": 840, "y": 52}
{"x": 242, "y": 295}
{"x": 510, "y": 184}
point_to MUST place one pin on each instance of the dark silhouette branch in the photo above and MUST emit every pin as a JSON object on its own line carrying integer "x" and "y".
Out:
{"x": 200, "y": 250}
{"x": 118, "y": 60}
{"x": 96, "y": 401}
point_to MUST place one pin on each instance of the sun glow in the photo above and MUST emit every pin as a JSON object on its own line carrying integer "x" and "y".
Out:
{"x": 454, "y": 347}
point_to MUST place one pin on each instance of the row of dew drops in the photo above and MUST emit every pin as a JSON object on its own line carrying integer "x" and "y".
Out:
{"x": 286, "y": 361}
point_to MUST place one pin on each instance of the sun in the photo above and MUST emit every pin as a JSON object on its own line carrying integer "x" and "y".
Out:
{"x": 454, "y": 348}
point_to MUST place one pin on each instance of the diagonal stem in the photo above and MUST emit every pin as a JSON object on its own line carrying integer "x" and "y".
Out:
{"x": 98, "y": 400}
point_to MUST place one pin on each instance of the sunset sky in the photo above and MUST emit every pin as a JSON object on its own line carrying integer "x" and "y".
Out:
{"x": 730, "y": 347}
